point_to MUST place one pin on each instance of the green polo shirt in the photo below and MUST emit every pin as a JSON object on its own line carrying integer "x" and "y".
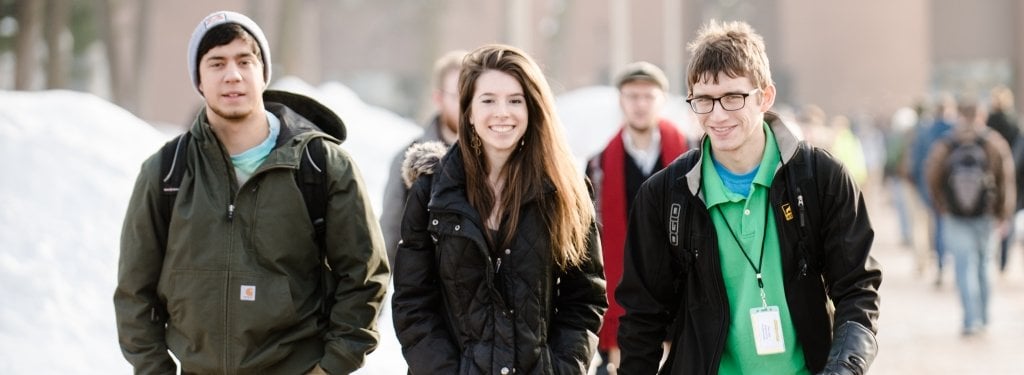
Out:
{"x": 747, "y": 216}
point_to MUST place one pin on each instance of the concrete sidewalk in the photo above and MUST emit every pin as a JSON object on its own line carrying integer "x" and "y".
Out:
{"x": 920, "y": 323}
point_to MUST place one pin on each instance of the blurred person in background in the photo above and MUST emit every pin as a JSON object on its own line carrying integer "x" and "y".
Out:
{"x": 233, "y": 280}
{"x": 868, "y": 130}
{"x": 897, "y": 140}
{"x": 1003, "y": 119}
{"x": 934, "y": 128}
{"x": 972, "y": 185}
{"x": 645, "y": 144}
{"x": 756, "y": 248}
{"x": 499, "y": 267}
{"x": 444, "y": 127}
{"x": 811, "y": 120}
{"x": 846, "y": 147}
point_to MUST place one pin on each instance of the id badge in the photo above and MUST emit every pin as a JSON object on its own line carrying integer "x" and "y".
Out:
{"x": 767, "y": 330}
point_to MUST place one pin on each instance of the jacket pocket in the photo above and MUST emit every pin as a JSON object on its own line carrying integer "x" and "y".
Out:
{"x": 195, "y": 329}
{"x": 259, "y": 306}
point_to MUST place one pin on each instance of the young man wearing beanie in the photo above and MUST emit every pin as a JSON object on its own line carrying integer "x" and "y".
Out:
{"x": 232, "y": 280}
{"x": 645, "y": 144}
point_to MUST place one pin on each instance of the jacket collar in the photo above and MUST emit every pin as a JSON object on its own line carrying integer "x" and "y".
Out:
{"x": 296, "y": 132}
{"x": 787, "y": 140}
{"x": 448, "y": 190}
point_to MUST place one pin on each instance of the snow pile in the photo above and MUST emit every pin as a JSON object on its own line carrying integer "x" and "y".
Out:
{"x": 69, "y": 163}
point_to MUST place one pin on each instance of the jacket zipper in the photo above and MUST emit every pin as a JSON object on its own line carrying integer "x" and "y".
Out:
{"x": 802, "y": 236}
{"x": 230, "y": 216}
{"x": 800, "y": 208}
{"x": 493, "y": 266}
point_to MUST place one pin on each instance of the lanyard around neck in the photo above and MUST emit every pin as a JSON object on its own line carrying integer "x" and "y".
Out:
{"x": 760, "y": 260}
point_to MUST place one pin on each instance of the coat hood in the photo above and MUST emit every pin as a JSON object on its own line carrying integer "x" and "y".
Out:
{"x": 317, "y": 113}
{"x": 420, "y": 159}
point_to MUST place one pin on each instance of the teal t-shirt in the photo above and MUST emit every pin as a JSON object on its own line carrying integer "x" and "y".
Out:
{"x": 247, "y": 161}
{"x": 749, "y": 215}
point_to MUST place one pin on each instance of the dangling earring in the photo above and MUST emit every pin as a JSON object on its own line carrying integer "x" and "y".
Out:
{"x": 475, "y": 143}
{"x": 522, "y": 141}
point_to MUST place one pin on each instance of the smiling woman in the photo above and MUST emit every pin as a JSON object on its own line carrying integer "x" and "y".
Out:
{"x": 498, "y": 116}
{"x": 505, "y": 224}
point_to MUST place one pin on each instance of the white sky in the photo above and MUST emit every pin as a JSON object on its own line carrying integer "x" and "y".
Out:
{"x": 69, "y": 162}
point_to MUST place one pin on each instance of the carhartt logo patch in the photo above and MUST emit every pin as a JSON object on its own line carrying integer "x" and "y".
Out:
{"x": 248, "y": 293}
{"x": 787, "y": 211}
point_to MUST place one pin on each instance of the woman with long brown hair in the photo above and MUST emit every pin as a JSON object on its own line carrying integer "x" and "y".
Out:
{"x": 499, "y": 269}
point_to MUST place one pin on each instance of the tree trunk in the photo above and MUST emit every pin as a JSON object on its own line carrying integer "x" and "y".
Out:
{"x": 139, "y": 61}
{"x": 105, "y": 10}
{"x": 29, "y": 16}
{"x": 58, "y": 56}
{"x": 285, "y": 48}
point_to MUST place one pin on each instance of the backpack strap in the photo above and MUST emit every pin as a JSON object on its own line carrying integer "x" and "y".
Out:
{"x": 685, "y": 250}
{"x": 312, "y": 182}
{"x": 310, "y": 179}
{"x": 172, "y": 169}
{"x": 677, "y": 200}
{"x": 804, "y": 191}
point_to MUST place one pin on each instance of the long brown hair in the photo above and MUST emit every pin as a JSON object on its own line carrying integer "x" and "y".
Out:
{"x": 543, "y": 158}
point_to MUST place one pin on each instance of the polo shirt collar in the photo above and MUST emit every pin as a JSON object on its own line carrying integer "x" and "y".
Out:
{"x": 715, "y": 191}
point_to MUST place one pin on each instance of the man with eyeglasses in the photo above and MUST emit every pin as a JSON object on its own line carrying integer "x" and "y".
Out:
{"x": 645, "y": 144}
{"x": 753, "y": 250}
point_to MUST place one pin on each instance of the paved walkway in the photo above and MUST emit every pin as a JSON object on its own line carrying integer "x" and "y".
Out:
{"x": 920, "y": 323}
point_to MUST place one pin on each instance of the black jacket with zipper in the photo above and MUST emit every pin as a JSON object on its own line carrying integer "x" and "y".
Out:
{"x": 673, "y": 272}
{"x": 463, "y": 308}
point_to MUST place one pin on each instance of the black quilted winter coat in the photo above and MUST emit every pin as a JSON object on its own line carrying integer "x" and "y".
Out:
{"x": 460, "y": 310}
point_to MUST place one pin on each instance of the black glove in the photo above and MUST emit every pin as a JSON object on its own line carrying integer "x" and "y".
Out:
{"x": 853, "y": 349}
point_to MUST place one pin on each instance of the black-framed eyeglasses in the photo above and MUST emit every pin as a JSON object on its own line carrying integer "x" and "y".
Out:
{"x": 729, "y": 102}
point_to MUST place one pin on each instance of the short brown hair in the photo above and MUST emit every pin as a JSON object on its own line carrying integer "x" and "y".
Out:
{"x": 733, "y": 48}
{"x": 447, "y": 63}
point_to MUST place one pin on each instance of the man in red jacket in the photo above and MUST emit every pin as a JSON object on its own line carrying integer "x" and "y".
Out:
{"x": 645, "y": 144}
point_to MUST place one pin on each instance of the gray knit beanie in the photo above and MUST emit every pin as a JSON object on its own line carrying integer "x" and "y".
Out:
{"x": 217, "y": 18}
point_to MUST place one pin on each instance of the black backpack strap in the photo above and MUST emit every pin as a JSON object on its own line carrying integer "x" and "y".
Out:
{"x": 172, "y": 169}
{"x": 681, "y": 235}
{"x": 804, "y": 191}
{"x": 312, "y": 182}
{"x": 677, "y": 199}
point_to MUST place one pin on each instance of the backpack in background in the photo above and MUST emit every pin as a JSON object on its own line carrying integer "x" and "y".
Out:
{"x": 969, "y": 184}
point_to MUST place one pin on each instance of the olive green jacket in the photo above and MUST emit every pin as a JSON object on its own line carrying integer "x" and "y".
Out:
{"x": 240, "y": 293}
